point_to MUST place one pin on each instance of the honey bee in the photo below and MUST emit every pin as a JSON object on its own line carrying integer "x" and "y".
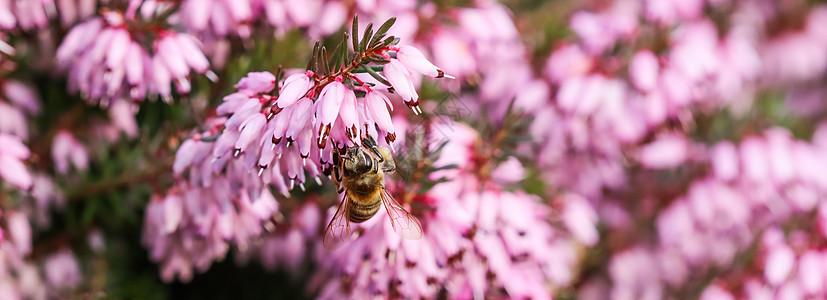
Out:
{"x": 360, "y": 175}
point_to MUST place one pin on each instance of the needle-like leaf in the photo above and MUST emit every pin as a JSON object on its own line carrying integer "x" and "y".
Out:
{"x": 380, "y": 33}
{"x": 377, "y": 76}
{"x": 368, "y": 33}
{"x": 354, "y": 30}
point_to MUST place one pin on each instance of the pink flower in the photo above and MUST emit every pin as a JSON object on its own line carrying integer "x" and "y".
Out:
{"x": 415, "y": 61}
{"x": 105, "y": 61}
{"x": 581, "y": 219}
{"x": 665, "y": 152}
{"x": 330, "y": 100}
{"x": 715, "y": 292}
{"x": 780, "y": 262}
{"x": 643, "y": 70}
{"x": 22, "y": 96}
{"x": 122, "y": 115}
{"x": 66, "y": 149}
{"x": 402, "y": 81}
{"x": 453, "y": 54}
{"x": 378, "y": 108}
{"x": 725, "y": 161}
{"x": 12, "y": 168}
{"x": 218, "y": 17}
{"x": 508, "y": 172}
{"x": 19, "y": 231}
{"x": 22, "y": 102}
{"x": 811, "y": 273}
{"x": 257, "y": 82}
{"x": 62, "y": 270}
{"x": 295, "y": 87}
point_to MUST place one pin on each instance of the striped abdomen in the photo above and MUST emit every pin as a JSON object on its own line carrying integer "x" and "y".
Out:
{"x": 363, "y": 207}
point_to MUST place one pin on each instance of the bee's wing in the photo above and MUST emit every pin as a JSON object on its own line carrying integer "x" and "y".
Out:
{"x": 338, "y": 231}
{"x": 403, "y": 223}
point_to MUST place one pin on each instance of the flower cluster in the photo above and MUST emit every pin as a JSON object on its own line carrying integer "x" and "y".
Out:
{"x": 22, "y": 278}
{"x": 106, "y": 60}
{"x": 36, "y": 14}
{"x": 631, "y": 103}
{"x": 472, "y": 245}
{"x": 287, "y": 130}
{"x": 676, "y": 147}
{"x": 192, "y": 226}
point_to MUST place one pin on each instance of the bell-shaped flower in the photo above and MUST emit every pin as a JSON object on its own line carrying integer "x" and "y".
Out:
{"x": 327, "y": 108}
{"x": 350, "y": 118}
{"x": 250, "y": 130}
{"x": 295, "y": 87}
{"x": 378, "y": 109}
{"x": 257, "y": 82}
{"x": 12, "y": 168}
{"x": 414, "y": 60}
{"x": 402, "y": 81}
{"x": 300, "y": 130}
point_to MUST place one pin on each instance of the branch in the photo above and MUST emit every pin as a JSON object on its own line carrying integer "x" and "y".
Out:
{"x": 107, "y": 185}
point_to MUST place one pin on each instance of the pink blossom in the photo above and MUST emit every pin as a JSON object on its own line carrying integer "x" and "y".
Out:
{"x": 257, "y": 82}
{"x": 66, "y": 149}
{"x": 580, "y": 219}
{"x": 103, "y": 47}
{"x": 415, "y": 61}
{"x": 62, "y": 270}
{"x": 12, "y": 169}
{"x": 725, "y": 161}
{"x": 643, "y": 69}
{"x": 402, "y": 81}
{"x": 780, "y": 262}
{"x": 810, "y": 272}
{"x": 218, "y": 17}
{"x": 665, "y": 152}
{"x": 715, "y": 292}
{"x": 295, "y": 87}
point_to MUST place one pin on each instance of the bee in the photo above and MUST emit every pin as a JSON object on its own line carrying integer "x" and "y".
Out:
{"x": 360, "y": 175}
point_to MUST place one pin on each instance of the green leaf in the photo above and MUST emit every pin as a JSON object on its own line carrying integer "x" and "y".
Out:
{"x": 377, "y": 59}
{"x": 345, "y": 61}
{"x": 312, "y": 64}
{"x": 368, "y": 34}
{"x": 325, "y": 68}
{"x": 354, "y": 29}
{"x": 377, "y": 76}
{"x": 363, "y": 69}
{"x": 391, "y": 40}
{"x": 336, "y": 56}
{"x": 380, "y": 33}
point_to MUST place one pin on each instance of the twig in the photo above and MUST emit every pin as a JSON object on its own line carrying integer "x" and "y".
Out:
{"x": 125, "y": 179}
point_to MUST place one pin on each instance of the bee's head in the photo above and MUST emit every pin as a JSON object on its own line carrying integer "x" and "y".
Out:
{"x": 357, "y": 161}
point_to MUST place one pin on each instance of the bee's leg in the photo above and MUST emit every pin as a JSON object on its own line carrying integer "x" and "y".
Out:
{"x": 371, "y": 143}
{"x": 336, "y": 174}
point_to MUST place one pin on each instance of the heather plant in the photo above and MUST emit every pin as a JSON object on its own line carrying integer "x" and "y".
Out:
{"x": 621, "y": 149}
